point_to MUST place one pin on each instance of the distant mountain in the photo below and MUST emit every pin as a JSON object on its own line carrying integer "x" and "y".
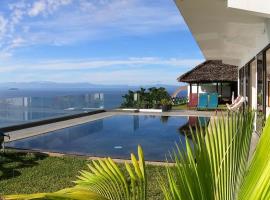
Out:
{"x": 53, "y": 85}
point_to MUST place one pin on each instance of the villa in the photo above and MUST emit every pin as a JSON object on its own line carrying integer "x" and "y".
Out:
{"x": 238, "y": 33}
{"x": 203, "y": 152}
{"x": 212, "y": 76}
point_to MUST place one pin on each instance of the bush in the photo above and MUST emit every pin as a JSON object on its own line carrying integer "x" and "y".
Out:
{"x": 147, "y": 98}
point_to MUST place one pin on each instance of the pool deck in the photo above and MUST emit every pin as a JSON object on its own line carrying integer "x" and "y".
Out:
{"x": 38, "y": 130}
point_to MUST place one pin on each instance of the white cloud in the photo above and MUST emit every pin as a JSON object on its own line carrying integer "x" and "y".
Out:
{"x": 38, "y": 7}
{"x": 3, "y": 25}
{"x": 46, "y": 6}
{"x": 109, "y": 71}
{"x": 14, "y": 28}
{"x": 88, "y": 64}
{"x": 54, "y": 22}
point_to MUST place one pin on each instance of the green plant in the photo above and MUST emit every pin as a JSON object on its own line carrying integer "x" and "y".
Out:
{"x": 103, "y": 181}
{"x": 165, "y": 102}
{"x": 148, "y": 98}
{"x": 216, "y": 165}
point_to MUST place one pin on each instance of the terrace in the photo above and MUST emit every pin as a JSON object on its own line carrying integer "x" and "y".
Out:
{"x": 218, "y": 161}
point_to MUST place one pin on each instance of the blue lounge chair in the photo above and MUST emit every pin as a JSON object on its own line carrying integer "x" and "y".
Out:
{"x": 203, "y": 101}
{"x": 213, "y": 101}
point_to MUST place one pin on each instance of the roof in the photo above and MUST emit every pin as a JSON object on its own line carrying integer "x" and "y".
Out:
{"x": 225, "y": 33}
{"x": 211, "y": 71}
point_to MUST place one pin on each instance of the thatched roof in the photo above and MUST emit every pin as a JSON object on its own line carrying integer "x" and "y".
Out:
{"x": 210, "y": 71}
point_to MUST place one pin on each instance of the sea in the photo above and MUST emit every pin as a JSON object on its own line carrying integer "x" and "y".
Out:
{"x": 19, "y": 106}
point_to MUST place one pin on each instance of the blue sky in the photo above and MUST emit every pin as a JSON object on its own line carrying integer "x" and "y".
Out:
{"x": 98, "y": 41}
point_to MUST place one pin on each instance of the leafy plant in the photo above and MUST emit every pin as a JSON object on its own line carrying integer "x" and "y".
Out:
{"x": 103, "y": 181}
{"x": 165, "y": 102}
{"x": 216, "y": 165}
{"x": 147, "y": 98}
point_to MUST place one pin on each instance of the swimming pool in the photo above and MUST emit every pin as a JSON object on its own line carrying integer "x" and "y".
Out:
{"x": 115, "y": 136}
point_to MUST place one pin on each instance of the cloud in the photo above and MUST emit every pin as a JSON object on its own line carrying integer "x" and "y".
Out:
{"x": 110, "y": 71}
{"x": 3, "y": 25}
{"x": 107, "y": 64}
{"x": 66, "y": 22}
{"x": 13, "y": 24}
{"x": 37, "y": 8}
{"x": 46, "y": 6}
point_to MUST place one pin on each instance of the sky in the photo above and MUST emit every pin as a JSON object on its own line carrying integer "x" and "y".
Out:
{"x": 97, "y": 41}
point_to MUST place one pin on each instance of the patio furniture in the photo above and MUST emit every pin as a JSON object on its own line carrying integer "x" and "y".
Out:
{"x": 203, "y": 101}
{"x": 213, "y": 101}
{"x": 193, "y": 100}
{"x": 2, "y": 140}
{"x": 237, "y": 104}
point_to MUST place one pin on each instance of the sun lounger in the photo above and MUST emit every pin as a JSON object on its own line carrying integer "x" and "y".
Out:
{"x": 203, "y": 101}
{"x": 2, "y": 140}
{"x": 237, "y": 104}
{"x": 213, "y": 101}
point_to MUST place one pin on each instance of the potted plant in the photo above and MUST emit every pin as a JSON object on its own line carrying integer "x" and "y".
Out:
{"x": 165, "y": 105}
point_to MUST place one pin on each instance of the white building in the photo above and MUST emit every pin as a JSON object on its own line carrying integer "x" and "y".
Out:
{"x": 238, "y": 33}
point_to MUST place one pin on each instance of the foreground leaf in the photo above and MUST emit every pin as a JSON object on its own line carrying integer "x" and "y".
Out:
{"x": 213, "y": 166}
{"x": 103, "y": 181}
{"x": 69, "y": 193}
{"x": 256, "y": 184}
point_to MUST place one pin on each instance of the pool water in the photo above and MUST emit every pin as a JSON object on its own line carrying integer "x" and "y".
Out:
{"x": 115, "y": 136}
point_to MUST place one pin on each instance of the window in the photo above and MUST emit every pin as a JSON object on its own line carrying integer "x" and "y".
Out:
{"x": 268, "y": 77}
{"x": 241, "y": 81}
{"x": 248, "y": 91}
{"x": 260, "y": 83}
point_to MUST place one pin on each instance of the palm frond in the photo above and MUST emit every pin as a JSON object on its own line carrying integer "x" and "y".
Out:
{"x": 256, "y": 184}
{"x": 105, "y": 178}
{"x": 67, "y": 194}
{"x": 213, "y": 166}
{"x": 103, "y": 181}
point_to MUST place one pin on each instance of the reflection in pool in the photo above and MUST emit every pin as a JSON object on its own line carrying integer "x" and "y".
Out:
{"x": 114, "y": 136}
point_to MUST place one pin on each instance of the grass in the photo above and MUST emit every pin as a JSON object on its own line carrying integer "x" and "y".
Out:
{"x": 180, "y": 107}
{"x": 33, "y": 173}
{"x": 184, "y": 107}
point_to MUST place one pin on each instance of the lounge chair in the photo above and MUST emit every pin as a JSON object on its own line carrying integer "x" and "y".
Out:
{"x": 213, "y": 101}
{"x": 234, "y": 101}
{"x": 203, "y": 101}
{"x": 193, "y": 100}
{"x": 237, "y": 104}
{"x": 2, "y": 140}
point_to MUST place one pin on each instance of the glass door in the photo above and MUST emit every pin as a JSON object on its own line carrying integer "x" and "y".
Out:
{"x": 248, "y": 91}
{"x": 267, "y": 81}
{"x": 260, "y": 85}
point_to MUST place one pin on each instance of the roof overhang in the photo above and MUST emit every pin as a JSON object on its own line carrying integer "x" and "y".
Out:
{"x": 233, "y": 34}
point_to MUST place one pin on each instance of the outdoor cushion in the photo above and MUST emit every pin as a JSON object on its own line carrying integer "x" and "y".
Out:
{"x": 213, "y": 101}
{"x": 203, "y": 101}
{"x": 193, "y": 100}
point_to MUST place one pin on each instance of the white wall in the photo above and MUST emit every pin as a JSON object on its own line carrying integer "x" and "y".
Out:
{"x": 226, "y": 90}
{"x": 260, "y": 7}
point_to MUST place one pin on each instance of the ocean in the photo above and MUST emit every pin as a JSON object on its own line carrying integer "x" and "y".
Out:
{"x": 19, "y": 106}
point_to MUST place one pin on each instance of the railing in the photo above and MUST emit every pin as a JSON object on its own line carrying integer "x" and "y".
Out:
{"x": 19, "y": 110}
